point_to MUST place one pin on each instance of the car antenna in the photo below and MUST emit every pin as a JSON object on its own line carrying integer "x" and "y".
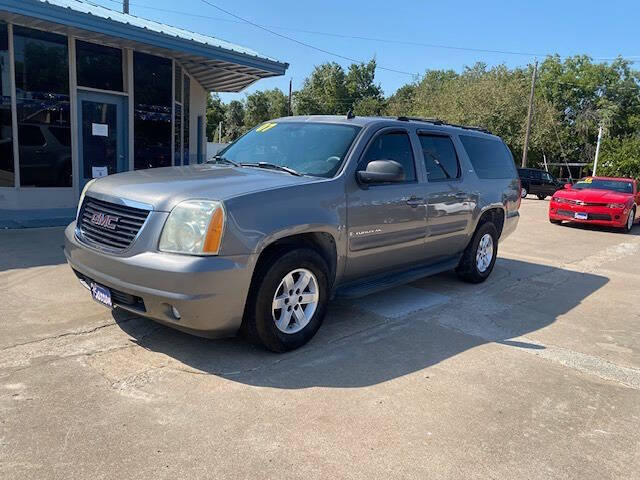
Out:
{"x": 350, "y": 113}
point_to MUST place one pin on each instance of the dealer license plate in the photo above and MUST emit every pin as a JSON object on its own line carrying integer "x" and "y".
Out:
{"x": 101, "y": 295}
{"x": 580, "y": 216}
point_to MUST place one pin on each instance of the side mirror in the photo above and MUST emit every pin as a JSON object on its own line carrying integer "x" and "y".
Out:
{"x": 382, "y": 171}
{"x": 567, "y": 186}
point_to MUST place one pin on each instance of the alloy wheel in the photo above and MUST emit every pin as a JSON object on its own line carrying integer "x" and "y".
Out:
{"x": 295, "y": 301}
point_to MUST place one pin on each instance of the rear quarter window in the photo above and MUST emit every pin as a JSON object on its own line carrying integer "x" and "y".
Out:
{"x": 490, "y": 158}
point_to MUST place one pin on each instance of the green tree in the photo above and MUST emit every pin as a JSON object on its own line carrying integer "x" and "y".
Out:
{"x": 323, "y": 92}
{"x": 215, "y": 114}
{"x": 620, "y": 157}
{"x": 264, "y": 105}
{"x": 234, "y": 121}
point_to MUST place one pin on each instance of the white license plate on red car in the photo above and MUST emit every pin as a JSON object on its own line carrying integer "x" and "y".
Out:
{"x": 101, "y": 295}
{"x": 580, "y": 216}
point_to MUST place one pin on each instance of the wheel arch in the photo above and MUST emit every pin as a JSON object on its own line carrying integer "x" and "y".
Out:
{"x": 323, "y": 242}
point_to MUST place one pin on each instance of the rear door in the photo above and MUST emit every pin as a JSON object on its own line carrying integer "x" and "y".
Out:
{"x": 449, "y": 204}
{"x": 387, "y": 222}
{"x": 536, "y": 186}
{"x": 549, "y": 183}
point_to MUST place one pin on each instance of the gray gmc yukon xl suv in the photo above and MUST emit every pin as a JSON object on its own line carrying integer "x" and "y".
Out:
{"x": 297, "y": 211}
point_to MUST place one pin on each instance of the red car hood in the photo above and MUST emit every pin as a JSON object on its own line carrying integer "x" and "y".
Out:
{"x": 594, "y": 195}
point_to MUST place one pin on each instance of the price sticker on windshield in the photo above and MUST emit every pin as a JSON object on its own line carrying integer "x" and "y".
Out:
{"x": 267, "y": 126}
{"x": 588, "y": 180}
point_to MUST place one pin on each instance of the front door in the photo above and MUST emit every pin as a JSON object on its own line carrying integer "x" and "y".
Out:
{"x": 102, "y": 136}
{"x": 387, "y": 222}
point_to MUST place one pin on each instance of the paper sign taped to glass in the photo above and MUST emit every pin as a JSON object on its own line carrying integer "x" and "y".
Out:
{"x": 97, "y": 172}
{"x": 100, "y": 129}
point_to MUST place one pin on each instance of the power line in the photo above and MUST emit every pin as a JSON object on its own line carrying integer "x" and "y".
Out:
{"x": 357, "y": 37}
{"x": 304, "y": 44}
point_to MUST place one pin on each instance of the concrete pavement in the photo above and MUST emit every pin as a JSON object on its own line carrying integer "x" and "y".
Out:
{"x": 533, "y": 374}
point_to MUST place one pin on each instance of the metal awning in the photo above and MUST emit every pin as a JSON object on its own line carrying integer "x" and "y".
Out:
{"x": 217, "y": 65}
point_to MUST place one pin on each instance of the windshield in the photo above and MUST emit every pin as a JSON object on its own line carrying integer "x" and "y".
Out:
{"x": 315, "y": 149}
{"x": 622, "y": 186}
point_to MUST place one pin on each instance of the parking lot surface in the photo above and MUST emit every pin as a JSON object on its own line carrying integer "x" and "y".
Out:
{"x": 534, "y": 374}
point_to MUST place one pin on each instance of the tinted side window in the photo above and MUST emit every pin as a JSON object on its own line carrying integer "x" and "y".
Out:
{"x": 30, "y": 136}
{"x": 547, "y": 177}
{"x": 490, "y": 158}
{"x": 536, "y": 175}
{"x": 440, "y": 157}
{"x": 524, "y": 173}
{"x": 393, "y": 146}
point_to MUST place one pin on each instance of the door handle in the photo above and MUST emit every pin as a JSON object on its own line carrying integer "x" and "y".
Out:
{"x": 415, "y": 202}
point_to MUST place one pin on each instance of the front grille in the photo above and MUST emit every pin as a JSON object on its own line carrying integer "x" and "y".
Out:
{"x": 109, "y": 225}
{"x": 590, "y": 216}
{"x": 117, "y": 297}
{"x": 586, "y": 204}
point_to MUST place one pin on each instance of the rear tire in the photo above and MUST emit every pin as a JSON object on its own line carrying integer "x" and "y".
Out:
{"x": 480, "y": 255}
{"x": 632, "y": 215}
{"x": 523, "y": 192}
{"x": 275, "y": 281}
{"x": 541, "y": 197}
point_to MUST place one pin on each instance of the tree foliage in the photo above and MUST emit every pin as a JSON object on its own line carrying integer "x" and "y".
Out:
{"x": 574, "y": 96}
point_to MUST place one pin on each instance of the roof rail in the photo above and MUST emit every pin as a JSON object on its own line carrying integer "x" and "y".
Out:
{"x": 436, "y": 121}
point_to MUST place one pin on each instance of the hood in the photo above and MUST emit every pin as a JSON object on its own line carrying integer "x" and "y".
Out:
{"x": 594, "y": 195}
{"x": 163, "y": 188}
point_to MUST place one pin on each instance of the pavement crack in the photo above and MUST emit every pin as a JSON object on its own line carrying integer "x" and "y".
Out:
{"x": 67, "y": 334}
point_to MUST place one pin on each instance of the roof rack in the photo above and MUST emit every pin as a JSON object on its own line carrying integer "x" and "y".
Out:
{"x": 436, "y": 121}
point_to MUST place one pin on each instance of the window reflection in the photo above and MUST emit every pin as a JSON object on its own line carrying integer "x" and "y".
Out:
{"x": 42, "y": 93}
{"x": 152, "y": 123}
{"x": 99, "y": 66}
{"x": 6, "y": 136}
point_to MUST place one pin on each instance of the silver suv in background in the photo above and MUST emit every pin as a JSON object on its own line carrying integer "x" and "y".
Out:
{"x": 297, "y": 211}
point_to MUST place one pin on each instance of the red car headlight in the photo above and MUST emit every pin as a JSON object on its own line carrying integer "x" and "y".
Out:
{"x": 560, "y": 200}
{"x": 616, "y": 205}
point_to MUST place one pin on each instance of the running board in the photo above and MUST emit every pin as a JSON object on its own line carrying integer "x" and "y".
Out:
{"x": 361, "y": 289}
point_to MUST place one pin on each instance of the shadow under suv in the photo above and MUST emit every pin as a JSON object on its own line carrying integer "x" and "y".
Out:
{"x": 297, "y": 211}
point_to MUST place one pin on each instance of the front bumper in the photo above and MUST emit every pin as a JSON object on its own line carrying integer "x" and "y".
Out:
{"x": 209, "y": 292}
{"x": 596, "y": 215}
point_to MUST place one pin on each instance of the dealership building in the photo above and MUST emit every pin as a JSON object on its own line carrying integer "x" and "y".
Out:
{"x": 88, "y": 91}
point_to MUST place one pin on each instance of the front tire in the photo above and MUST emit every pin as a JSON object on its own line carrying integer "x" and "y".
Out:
{"x": 630, "y": 219}
{"x": 555, "y": 222}
{"x": 541, "y": 197}
{"x": 480, "y": 255}
{"x": 523, "y": 192}
{"x": 288, "y": 300}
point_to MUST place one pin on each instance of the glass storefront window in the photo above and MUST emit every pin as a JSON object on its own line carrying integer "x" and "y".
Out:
{"x": 152, "y": 119}
{"x": 42, "y": 93}
{"x": 99, "y": 66}
{"x": 185, "y": 121}
{"x": 177, "y": 125}
{"x": 7, "y": 174}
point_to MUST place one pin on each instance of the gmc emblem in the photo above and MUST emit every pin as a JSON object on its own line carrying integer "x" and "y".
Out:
{"x": 105, "y": 221}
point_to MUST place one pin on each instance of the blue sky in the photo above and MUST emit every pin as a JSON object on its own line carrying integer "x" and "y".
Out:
{"x": 566, "y": 27}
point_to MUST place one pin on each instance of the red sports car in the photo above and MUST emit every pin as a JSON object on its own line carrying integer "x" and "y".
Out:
{"x": 611, "y": 202}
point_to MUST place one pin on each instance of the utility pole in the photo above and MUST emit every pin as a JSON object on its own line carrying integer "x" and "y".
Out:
{"x": 125, "y": 6}
{"x": 220, "y": 132}
{"x": 595, "y": 162}
{"x": 528, "y": 131}
{"x": 289, "y": 104}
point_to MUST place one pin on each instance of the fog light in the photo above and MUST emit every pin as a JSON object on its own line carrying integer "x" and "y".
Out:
{"x": 175, "y": 312}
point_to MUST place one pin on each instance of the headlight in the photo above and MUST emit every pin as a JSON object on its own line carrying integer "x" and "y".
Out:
{"x": 560, "y": 200}
{"x": 194, "y": 227}
{"x": 82, "y": 194}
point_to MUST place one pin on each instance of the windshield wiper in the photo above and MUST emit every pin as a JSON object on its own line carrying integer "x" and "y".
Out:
{"x": 273, "y": 166}
{"x": 220, "y": 159}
